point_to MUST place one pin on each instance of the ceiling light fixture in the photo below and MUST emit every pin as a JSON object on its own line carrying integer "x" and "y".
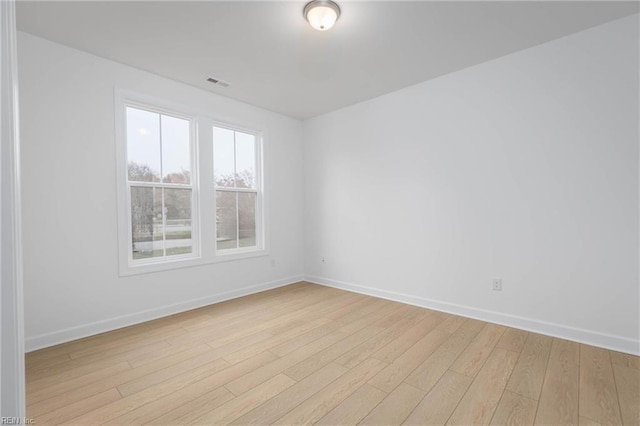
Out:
{"x": 321, "y": 14}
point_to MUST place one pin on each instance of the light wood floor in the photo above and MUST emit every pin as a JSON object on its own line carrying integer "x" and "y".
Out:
{"x": 311, "y": 354}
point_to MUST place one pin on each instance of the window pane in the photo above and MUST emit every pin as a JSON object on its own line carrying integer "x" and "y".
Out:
{"x": 223, "y": 157}
{"x": 245, "y": 160}
{"x": 177, "y": 207}
{"x": 146, "y": 222}
{"x": 226, "y": 220}
{"x": 247, "y": 218}
{"x": 176, "y": 160}
{"x": 143, "y": 145}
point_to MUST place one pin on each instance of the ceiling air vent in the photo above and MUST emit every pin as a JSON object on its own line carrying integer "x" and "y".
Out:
{"x": 217, "y": 82}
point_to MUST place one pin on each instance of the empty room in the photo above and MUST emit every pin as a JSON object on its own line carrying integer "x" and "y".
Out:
{"x": 333, "y": 212}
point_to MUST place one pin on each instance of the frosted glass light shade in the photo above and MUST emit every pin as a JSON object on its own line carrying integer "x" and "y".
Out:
{"x": 321, "y": 14}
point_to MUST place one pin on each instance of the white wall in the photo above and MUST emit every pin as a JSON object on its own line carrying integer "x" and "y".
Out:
{"x": 72, "y": 286}
{"x": 524, "y": 168}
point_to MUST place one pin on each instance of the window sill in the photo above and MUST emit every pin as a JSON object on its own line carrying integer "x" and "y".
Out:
{"x": 169, "y": 265}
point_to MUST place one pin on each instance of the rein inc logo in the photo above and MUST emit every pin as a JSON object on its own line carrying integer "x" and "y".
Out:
{"x": 17, "y": 421}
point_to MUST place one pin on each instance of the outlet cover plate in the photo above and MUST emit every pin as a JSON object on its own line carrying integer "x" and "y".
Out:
{"x": 496, "y": 284}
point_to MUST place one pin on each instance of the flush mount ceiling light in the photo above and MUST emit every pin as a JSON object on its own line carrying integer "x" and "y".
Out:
{"x": 321, "y": 14}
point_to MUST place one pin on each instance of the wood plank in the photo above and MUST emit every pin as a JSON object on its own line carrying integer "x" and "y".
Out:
{"x": 93, "y": 388}
{"x": 317, "y": 406}
{"x": 583, "y": 421}
{"x": 284, "y": 402}
{"x": 384, "y": 310}
{"x": 397, "y": 347}
{"x": 318, "y": 311}
{"x": 147, "y": 413}
{"x": 292, "y": 331}
{"x": 210, "y": 372}
{"x": 515, "y": 409}
{"x": 238, "y": 406}
{"x": 254, "y": 378}
{"x": 404, "y": 313}
{"x": 55, "y": 377}
{"x": 34, "y": 365}
{"x": 452, "y": 323}
{"x": 78, "y": 408}
{"x": 41, "y": 400}
{"x": 441, "y": 401}
{"x": 217, "y": 333}
{"x": 528, "y": 375}
{"x": 231, "y": 347}
{"x": 122, "y": 334}
{"x": 201, "y": 380}
{"x": 625, "y": 360}
{"x": 355, "y": 310}
{"x": 79, "y": 366}
{"x": 43, "y": 356}
{"x": 396, "y": 407}
{"x": 475, "y": 355}
{"x": 126, "y": 344}
{"x": 354, "y": 408}
{"x": 40, "y": 394}
{"x": 598, "y": 396}
{"x": 199, "y": 405}
{"x": 315, "y": 362}
{"x": 339, "y": 318}
{"x": 427, "y": 374}
{"x": 512, "y": 340}
{"x": 390, "y": 377}
{"x": 291, "y": 345}
{"x": 479, "y": 403}
{"x": 158, "y": 376}
{"x": 368, "y": 348}
{"x": 230, "y": 310}
{"x": 472, "y": 325}
{"x": 559, "y": 398}
{"x": 565, "y": 351}
{"x": 628, "y": 386}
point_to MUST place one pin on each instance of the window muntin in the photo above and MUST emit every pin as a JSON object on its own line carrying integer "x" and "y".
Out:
{"x": 159, "y": 186}
{"x": 237, "y": 190}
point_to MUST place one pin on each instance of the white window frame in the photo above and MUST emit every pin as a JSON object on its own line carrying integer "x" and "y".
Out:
{"x": 203, "y": 231}
{"x": 258, "y": 190}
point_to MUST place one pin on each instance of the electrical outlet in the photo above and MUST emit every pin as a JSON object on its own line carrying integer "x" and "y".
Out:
{"x": 273, "y": 263}
{"x": 496, "y": 284}
{"x": 323, "y": 260}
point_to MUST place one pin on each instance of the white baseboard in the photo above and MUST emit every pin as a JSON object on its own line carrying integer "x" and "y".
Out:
{"x": 608, "y": 341}
{"x": 78, "y": 332}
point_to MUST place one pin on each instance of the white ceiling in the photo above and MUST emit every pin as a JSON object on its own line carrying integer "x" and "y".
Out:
{"x": 273, "y": 59}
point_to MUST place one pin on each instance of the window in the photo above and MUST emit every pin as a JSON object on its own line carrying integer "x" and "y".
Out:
{"x": 177, "y": 168}
{"x": 159, "y": 184}
{"x": 236, "y": 187}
